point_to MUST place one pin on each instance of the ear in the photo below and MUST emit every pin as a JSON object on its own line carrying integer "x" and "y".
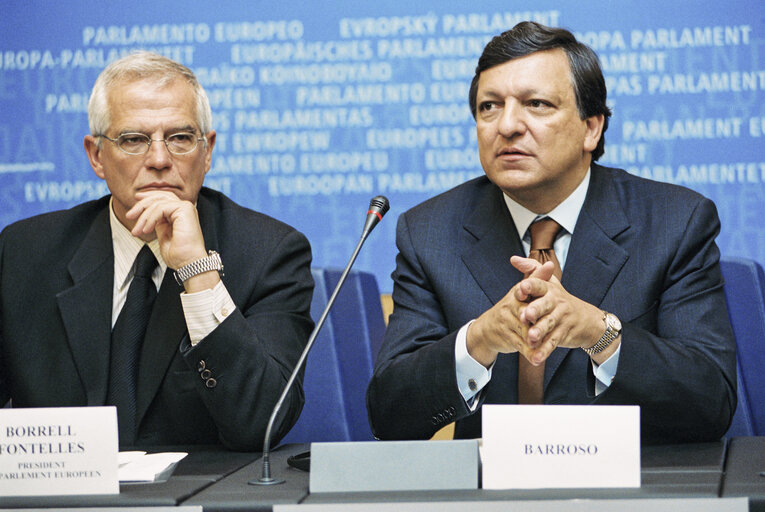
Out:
{"x": 208, "y": 150}
{"x": 593, "y": 129}
{"x": 94, "y": 155}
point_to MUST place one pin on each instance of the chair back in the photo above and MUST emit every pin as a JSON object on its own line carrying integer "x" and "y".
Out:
{"x": 339, "y": 366}
{"x": 745, "y": 294}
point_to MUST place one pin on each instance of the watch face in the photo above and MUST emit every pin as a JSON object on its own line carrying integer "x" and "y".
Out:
{"x": 613, "y": 322}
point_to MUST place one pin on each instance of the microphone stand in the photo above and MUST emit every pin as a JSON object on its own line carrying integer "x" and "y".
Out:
{"x": 377, "y": 208}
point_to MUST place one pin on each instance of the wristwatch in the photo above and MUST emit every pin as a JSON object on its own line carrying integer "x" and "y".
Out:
{"x": 613, "y": 330}
{"x": 210, "y": 262}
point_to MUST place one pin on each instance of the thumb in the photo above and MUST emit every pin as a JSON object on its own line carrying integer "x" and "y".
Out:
{"x": 533, "y": 268}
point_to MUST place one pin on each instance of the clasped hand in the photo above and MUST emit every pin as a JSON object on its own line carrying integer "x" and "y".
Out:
{"x": 533, "y": 318}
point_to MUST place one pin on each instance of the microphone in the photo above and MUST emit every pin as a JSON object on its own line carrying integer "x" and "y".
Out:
{"x": 378, "y": 207}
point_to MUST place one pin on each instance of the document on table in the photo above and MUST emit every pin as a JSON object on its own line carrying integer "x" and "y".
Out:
{"x": 136, "y": 466}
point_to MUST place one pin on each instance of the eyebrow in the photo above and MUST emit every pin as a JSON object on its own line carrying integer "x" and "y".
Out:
{"x": 175, "y": 129}
{"x": 549, "y": 95}
{"x": 488, "y": 95}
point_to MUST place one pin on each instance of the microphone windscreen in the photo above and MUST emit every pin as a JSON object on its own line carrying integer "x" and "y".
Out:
{"x": 379, "y": 204}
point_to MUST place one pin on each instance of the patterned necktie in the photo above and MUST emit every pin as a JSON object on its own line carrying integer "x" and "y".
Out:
{"x": 531, "y": 378}
{"x": 127, "y": 339}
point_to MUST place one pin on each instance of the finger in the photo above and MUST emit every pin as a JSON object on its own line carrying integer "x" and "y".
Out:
{"x": 537, "y": 308}
{"x": 525, "y": 265}
{"x": 158, "y": 194}
{"x": 545, "y": 271}
{"x": 152, "y": 215}
{"x": 529, "y": 353}
{"x": 530, "y": 288}
{"x": 542, "y": 329}
{"x": 145, "y": 198}
{"x": 533, "y": 268}
{"x": 136, "y": 210}
{"x": 540, "y": 355}
{"x": 539, "y": 352}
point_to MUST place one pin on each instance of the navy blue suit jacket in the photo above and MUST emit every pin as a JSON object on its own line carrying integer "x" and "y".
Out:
{"x": 56, "y": 280}
{"x": 642, "y": 250}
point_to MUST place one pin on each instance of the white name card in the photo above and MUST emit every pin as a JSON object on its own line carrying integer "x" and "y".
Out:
{"x": 560, "y": 446}
{"x": 57, "y": 451}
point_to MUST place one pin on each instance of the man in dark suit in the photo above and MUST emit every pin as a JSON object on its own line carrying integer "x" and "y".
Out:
{"x": 218, "y": 347}
{"x": 638, "y": 316}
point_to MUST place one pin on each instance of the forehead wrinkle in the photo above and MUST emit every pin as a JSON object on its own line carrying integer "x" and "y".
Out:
{"x": 514, "y": 82}
{"x": 140, "y": 106}
{"x": 522, "y": 92}
{"x": 174, "y": 129}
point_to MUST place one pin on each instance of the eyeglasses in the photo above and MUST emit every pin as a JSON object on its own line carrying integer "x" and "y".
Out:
{"x": 139, "y": 143}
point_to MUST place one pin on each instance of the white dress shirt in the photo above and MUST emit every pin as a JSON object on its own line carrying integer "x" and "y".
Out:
{"x": 472, "y": 376}
{"x": 203, "y": 311}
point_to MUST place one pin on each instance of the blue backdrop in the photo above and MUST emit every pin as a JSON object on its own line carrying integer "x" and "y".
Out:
{"x": 320, "y": 106}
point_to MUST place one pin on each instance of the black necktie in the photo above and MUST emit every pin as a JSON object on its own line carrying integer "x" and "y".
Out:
{"x": 127, "y": 338}
{"x": 531, "y": 378}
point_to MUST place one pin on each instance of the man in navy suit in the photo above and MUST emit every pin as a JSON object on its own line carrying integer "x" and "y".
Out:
{"x": 638, "y": 316}
{"x": 218, "y": 347}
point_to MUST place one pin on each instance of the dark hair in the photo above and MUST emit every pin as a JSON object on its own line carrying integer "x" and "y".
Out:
{"x": 528, "y": 37}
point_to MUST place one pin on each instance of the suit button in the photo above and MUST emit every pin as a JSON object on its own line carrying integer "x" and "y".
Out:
{"x": 211, "y": 383}
{"x": 205, "y": 374}
{"x": 201, "y": 365}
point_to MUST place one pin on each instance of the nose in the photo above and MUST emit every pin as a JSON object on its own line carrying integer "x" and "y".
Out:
{"x": 158, "y": 157}
{"x": 511, "y": 122}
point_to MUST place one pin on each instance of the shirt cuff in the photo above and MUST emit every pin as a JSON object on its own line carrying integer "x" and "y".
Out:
{"x": 604, "y": 373}
{"x": 206, "y": 310}
{"x": 472, "y": 376}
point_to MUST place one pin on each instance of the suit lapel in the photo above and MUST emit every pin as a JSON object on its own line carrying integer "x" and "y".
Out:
{"x": 167, "y": 325}
{"x": 166, "y": 329}
{"x": 594, "y": 257}
{"x": 491, "y": 238}
{"x": 84, "y": 312}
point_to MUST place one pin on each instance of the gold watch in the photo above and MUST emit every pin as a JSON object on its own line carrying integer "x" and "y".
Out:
{"x": 613, "y": 330}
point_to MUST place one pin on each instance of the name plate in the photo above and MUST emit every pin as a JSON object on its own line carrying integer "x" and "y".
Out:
{"x": 394, "y": 466}
{"x": 58, "y": 451}
{"x": 560, "y": 446}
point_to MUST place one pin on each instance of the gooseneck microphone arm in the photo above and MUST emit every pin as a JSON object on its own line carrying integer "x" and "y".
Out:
{"x": 378, "y": 206}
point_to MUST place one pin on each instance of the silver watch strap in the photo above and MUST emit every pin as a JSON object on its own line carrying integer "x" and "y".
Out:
{"x": 210, "y": 262}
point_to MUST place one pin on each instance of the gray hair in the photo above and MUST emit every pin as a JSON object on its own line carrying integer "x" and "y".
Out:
{"x": 143, "y": 66}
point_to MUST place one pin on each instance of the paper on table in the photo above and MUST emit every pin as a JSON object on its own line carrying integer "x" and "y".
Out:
{"x": 127, "y": 457}
{"x": 143, "y": 467}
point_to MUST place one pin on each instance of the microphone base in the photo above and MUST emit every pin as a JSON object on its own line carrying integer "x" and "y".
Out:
{"x": 266, "y": 481}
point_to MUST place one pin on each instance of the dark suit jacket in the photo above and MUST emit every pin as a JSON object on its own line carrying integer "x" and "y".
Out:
{"x": 56, "y": 280}
{"x": 642, "y": 250}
